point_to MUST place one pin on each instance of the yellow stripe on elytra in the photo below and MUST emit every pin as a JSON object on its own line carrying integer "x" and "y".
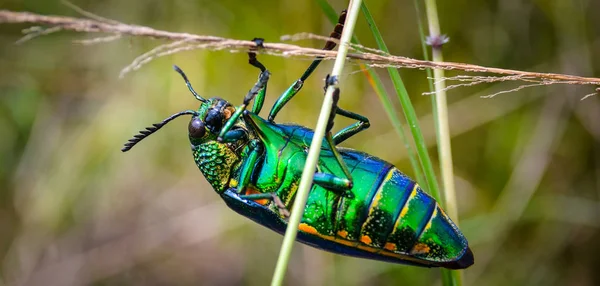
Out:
{"x": 376, "y": 200}
{"x": 389, "y": 175}
{"x": 404, "y": 211}
{"x": 379, "y": 193}
{"x": 291, "y": 193}
{"x": 428, "y": 225}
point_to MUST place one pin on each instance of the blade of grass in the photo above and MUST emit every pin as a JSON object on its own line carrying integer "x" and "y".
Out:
{"x": 442, "y": 128}
{"x": 448, "y": 277}
{"x": 426, "y": 57}
{"x": 315, "y": 149}
{"x": 408, "y": 109}
{"x": 375, "y": 81}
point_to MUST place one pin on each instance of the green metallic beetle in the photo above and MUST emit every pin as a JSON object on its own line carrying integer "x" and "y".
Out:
{"x": 359, "y": 205}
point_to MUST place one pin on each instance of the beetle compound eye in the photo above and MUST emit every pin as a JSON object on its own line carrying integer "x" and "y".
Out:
{"x": 196, "y": 128}
{"x": 214, "y": 120}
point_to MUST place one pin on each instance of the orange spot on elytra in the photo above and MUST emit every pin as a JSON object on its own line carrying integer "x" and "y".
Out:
{"x": 253, "y": 191}
{"x": 390, "y": 246}
{"x": 342, "y": 234}
{"x": 366, "y": 239}
{"x": 420, "y": 248}
{"x": 307, "y": 228}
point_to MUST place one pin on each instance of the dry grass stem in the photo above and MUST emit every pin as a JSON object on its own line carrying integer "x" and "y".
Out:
{"x": 186, "y": 42}
{"x": 591, "y": 94}
{"x": 35, "y": 32}
{"x": 98, "y": 40}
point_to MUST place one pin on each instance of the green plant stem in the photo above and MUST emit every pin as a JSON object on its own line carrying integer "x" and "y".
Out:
{"x": 377, "y": 84}
{"x": 315, "y": 149}
{"x": 409, "y": 111}
{"x": 388, "y": 106}
{"x": 426, "y": 57}
{"x": 443, "y": 132}
{"x": 444, "y": 146}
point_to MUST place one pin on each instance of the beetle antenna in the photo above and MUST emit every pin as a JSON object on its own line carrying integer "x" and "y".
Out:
{"x": 149, "y": 130}
{"x": 189, "y": 85}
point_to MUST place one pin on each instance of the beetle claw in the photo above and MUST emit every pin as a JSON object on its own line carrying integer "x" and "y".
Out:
{"x": 282, "y": 209}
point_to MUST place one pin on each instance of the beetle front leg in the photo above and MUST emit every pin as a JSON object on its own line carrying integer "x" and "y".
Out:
{"x": 297, "y": 85}
{"x": 329, "y": 181}
{"x": 340, "y": 186}
{"x": 260, "y": 96}
{"x": 330, "y": 122}
{"x": 257, "y": 91}
{"x": 351, "y": 130}
{"x": 234, "y": 135}
{"x": 254, "y": 150}
{"x": 269, "y": 196}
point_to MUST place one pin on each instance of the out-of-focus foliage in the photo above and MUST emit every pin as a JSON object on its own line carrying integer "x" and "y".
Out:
{"x": 75, "y": 210}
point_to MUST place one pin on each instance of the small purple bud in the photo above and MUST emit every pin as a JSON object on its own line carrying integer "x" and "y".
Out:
{"x": 437, "y": 41}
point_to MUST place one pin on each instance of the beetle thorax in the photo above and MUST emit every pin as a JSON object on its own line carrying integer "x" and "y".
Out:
{"x": 216, "y": 161}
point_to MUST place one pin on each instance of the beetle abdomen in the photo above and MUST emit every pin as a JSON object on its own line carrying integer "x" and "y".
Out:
{"x": 403, "y": 219}
{"x": 390, "y": 216}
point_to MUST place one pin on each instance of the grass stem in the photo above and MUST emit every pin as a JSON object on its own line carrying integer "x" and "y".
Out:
{"x": 436, "y": 40}
{"x": 377, "y": 84}
{"x": 409, "y": 112}
{"x": 315, "y": 149}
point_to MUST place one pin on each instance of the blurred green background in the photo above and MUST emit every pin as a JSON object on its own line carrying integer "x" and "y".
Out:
{"x": 75, "y": 210}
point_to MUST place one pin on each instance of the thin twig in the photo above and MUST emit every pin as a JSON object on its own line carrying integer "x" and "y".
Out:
{"x": 98, "y": 40}
{"x": 148, "y": 56}
{"x": 519, "y": 88}
{"x": 373, "y": 59}
{"x": 35, "y": 32}
{"x": 88, "y": 14}
{"x": 475, "y": 80}
{"x": 311, "y": 36}
{"x": 591, "y": 94}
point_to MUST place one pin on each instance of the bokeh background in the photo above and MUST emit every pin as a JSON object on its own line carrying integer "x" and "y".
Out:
{"x": 74, "y": 210}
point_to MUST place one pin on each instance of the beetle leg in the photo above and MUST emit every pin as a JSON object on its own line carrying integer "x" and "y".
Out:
{"x": 269, "y": 196}
{"x": 260, "y": 85}
{"x": 253, "y": 150}
{"x": 334, "y": 183}
{"x": 346, "y": 183}
{"x": 260, "y": 96}
{"x": 297, "y": 85}
{"x": 234, "y": 135}
{"x": 350, "y": 130}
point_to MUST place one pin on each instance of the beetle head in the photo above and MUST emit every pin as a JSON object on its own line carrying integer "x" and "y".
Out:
{"x": 206, "y": 122}
{"x": 210, "y": 119}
